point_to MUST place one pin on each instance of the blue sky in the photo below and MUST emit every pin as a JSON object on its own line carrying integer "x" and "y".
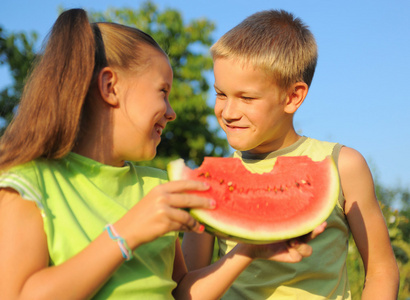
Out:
{"x": 359, "y": 93}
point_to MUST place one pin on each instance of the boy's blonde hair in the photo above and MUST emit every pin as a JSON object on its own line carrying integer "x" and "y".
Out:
{"x": 274, "y": 41}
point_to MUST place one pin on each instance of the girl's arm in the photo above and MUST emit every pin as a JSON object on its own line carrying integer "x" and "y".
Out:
{"x": 368, "y": 227}
{"x": 220, "y": 275}
{"x": 24, "y": 270}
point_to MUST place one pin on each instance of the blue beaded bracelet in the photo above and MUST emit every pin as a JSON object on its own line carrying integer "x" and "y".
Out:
{"x": 125, "y": 250}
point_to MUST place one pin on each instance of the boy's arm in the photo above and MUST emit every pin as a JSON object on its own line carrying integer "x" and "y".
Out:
{"x": 368, "y": 227}
{"x": 221, "y": 274}
{"x": 198, "y": 249}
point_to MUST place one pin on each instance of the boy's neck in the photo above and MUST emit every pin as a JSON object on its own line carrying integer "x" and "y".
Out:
{"x": 278, "y": 144}
{"x": 275, "y": 153}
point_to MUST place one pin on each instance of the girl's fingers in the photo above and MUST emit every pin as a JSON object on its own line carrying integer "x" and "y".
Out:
{"x": 184, "y": 221}
{"x": 181, "y": 186}
{"x": 190, "y": 201}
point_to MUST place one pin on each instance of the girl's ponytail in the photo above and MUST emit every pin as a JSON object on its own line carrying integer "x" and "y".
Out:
{"x": 48, "y": 117}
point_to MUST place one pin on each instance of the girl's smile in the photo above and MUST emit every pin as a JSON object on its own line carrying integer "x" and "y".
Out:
{"x": 144, "y": 109}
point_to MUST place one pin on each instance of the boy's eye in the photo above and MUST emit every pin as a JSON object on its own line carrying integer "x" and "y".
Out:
{"x": 247, "y": 99}
{"x": 220, "y": 95}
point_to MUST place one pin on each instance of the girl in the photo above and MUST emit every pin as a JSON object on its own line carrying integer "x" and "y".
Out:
{"x": 77, "y": 219}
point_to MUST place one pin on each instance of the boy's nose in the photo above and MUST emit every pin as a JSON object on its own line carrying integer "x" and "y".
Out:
{"x": 230, "y": 110}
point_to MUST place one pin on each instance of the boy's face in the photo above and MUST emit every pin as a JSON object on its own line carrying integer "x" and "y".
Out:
{"x": 250, "y": 108}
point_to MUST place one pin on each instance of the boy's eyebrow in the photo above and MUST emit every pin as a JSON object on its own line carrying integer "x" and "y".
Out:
{"x": 217, "y": 89}
{"x": 253, "y": 92}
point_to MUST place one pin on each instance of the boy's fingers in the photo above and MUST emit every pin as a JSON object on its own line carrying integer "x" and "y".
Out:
{"x": 313, "y": 234}
{"x": 317, "y": 231}
{"x": 302, "y": 248}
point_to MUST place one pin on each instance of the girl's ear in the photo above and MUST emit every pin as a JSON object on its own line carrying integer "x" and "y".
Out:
{"x": 107, "y": 85}
{"x": 295, "y": 97}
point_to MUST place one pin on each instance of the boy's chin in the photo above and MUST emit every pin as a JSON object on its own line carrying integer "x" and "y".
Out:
{"x": 239, "y": 146}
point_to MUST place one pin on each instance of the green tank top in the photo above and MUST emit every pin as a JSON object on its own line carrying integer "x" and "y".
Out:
{"x": 323, "y": 275}
{"x": 77, "y": 197}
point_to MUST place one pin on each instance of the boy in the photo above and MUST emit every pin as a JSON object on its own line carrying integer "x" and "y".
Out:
{"x": 263, "y": 69}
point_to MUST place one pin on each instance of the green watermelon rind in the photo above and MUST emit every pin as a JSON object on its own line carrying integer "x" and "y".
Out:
{"x": 233, "y": 232}
{"x": 175, "y": 169}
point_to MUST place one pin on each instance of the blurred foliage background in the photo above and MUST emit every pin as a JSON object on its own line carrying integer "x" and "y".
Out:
{"x": 193, "y": 134}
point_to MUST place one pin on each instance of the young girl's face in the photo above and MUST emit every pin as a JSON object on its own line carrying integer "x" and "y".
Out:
{"x": 144, "y": 109}
{"x": 249, "y": 107}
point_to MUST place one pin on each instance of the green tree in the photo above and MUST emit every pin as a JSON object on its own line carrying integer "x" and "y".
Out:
{"x": 17, "y": 53}
{"x": 190, "y": 136}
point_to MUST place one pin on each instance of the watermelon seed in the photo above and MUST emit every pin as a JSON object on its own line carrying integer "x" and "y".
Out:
{"x": 297, "y": 184}
{"x": 231, "y": 188}
{"x": 221, "y": 181}
{"x": 305, "y": 182}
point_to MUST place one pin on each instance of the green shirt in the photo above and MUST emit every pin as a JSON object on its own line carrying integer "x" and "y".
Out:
{"x": 323, "y": 275}
{"x": 77, "y": 198}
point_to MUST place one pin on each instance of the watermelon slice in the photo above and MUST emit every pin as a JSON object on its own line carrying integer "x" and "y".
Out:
{"x": 291, "y": 200}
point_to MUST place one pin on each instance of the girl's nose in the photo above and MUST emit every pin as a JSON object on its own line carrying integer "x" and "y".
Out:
{"x": 170, "y": 114}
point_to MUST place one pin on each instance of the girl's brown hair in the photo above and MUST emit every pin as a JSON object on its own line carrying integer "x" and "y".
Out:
{"x": 47, "y": 122}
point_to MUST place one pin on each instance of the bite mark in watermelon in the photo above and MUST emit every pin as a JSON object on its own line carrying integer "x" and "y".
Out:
{"x": 291, "y": 200}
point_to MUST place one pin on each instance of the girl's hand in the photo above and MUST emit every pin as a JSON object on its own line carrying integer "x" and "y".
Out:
{"x": 161, "y": 211}
{"x": 290, "y": 251}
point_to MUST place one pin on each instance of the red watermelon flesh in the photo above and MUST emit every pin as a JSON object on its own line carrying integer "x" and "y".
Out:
{"x": 296, "y": 196}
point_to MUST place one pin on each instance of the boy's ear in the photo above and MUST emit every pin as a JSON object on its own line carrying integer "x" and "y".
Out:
{"x": 107, "y": 85}
{"x": 295, "y": 97}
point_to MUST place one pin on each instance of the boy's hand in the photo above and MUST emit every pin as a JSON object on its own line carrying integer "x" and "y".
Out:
{"x": 290, "y": 251}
